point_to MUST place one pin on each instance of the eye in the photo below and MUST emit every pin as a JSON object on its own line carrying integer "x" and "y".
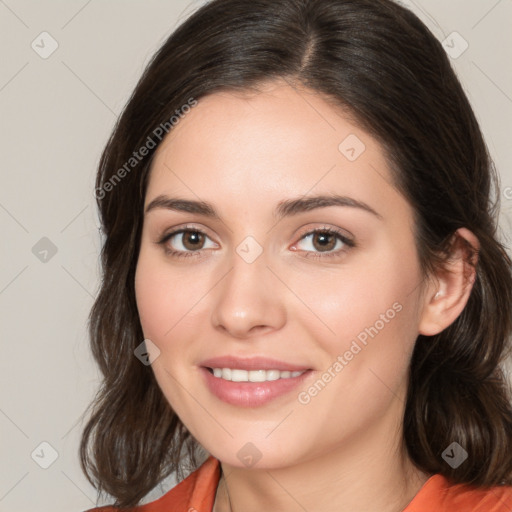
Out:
{"x": 324, "y": 242}
{"x": 185, "y": 242}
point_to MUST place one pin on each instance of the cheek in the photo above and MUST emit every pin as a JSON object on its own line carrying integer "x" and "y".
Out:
{"x": 150, "y": 294}
{"x": 165, "y": 300}
{"x": 342, "y": 302}
{"x": 374, "y": 317}
{"x": 366, "y": 322}
{"x": 367, "y": 358}
{"x": 165, "y": 303}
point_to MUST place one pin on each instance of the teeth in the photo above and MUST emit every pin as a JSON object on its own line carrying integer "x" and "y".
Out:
{"x": 253, "y": 375}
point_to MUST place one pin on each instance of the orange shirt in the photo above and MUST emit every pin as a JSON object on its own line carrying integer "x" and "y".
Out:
{"x": 196, "y": 493}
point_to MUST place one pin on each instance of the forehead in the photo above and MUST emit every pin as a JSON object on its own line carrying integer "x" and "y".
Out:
{"x": 277, "y": 120}
{"x": 260, "y": 147}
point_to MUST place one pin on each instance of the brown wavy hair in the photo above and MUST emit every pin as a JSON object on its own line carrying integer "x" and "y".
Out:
{"x": 380, "y": 63}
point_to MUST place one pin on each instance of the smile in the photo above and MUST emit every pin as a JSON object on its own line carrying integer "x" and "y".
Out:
{"x": 253, "y": 388}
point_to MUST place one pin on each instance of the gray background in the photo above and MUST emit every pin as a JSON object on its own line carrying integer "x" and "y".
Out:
{"x": 56, "y": 114}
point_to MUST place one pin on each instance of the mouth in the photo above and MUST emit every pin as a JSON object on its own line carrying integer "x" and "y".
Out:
{"x": 253, "y": 388}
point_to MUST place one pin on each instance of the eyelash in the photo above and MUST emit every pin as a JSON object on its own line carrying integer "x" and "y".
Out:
{"x": 308, "y": 254}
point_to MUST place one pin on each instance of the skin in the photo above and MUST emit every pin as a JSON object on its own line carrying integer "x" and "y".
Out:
{"x": 244, "y": 153}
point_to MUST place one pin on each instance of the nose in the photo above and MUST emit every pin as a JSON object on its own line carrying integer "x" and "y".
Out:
{"x": 249, "y": 300}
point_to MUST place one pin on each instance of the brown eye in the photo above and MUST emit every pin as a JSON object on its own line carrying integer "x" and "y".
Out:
{"x": 186, "y": 242}
{"x": 192, "y": 240}
{"x": 323, "y": 241}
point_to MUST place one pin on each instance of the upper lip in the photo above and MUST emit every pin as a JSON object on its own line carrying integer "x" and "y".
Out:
{"x": 252, "y": 363}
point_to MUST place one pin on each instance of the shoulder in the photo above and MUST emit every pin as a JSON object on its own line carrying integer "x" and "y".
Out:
{"x": 438, "y": 494}
{"x": 196, "y": 492}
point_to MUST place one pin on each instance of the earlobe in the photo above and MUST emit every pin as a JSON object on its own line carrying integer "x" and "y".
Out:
{"x": 449, "y": 293}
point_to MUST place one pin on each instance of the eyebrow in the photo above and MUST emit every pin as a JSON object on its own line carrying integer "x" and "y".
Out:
{"x": 284, "y": 208}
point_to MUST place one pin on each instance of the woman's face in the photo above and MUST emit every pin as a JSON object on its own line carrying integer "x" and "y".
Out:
{"x": 251, "y": 279}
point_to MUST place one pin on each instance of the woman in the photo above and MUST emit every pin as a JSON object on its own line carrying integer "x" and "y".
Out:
{"x": 301, "y": 275}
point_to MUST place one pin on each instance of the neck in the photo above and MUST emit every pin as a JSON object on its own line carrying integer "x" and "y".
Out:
{"x": 368, "y": 472}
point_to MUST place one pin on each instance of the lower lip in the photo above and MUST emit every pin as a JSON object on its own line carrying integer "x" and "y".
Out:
{"x": 251, "y": 394}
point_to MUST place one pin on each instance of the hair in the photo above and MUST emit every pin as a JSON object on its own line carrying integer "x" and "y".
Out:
{"x": 381, "y": 64}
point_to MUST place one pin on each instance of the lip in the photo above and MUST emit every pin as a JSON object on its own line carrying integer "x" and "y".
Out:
{"x": 250, "y": 394}
{"x": 252, "y": 363}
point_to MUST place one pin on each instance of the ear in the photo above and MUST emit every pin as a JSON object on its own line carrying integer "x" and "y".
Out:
{"x": 450, "y": 288}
